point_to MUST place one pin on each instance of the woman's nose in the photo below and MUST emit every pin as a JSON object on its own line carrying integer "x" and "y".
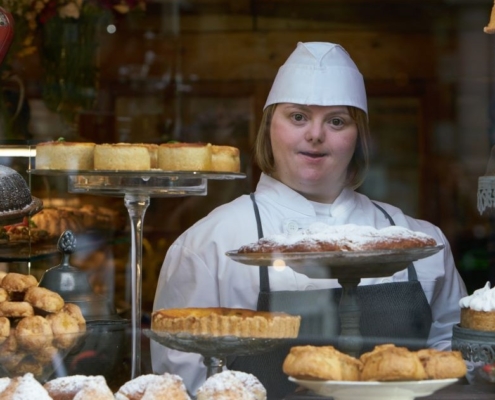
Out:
{"x": 315, "y": 133}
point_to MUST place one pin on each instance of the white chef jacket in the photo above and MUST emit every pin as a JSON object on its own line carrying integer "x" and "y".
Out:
{"x": 197, "y": 273}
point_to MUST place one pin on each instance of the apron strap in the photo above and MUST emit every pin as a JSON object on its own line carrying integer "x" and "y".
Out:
{"x": 264, "y": 280}
{"x": 411, "y": 271}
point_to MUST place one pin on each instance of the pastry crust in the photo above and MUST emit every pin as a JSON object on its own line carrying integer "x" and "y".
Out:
{"x": 321, "y": 237}
{"x": 442, "y": 364}
{"x": 4, "y": 329}
{"x": 33, "y": 333}
{"x": 220, "y": 321}
{"x": 65, "y": 329}
{"x": 4, "y": 295}
{"x": 64, "y": 155}
{"x": 321, "y": 362}
{"x": 122, "y": 157}
{"x": 153, "y": 387}
{"x": 79, "y": 387}
{"x": 18, "y": 283}
{"x": 21, "y": 386}
{"x": 390, "y": 363}
{"x": 225, "y": 159}
{"x": 184, "y": 157}
{"x": 478, "y": 320}
{"x": 44, "y": 299}
{"x": 233, "y": 385}
{"x": 16, "y": 309}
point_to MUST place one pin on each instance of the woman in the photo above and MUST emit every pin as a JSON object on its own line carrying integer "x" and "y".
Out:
{"x": 312, "y": 147}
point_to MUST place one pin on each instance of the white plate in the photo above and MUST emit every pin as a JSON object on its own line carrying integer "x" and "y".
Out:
{"x": 345, "y": 390}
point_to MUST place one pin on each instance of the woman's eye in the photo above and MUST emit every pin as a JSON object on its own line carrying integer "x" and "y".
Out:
{"x": 298, "y": 117}
{"x": 337, "y": 121}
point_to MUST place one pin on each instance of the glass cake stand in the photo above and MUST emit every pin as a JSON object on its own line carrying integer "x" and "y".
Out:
{"x": 348, "y": 267}
{"x": 214, "y": 349}
{"x": 137, "y": 187}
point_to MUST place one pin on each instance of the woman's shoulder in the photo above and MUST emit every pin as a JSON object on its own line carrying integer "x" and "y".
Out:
{"x": 228, "y": 217}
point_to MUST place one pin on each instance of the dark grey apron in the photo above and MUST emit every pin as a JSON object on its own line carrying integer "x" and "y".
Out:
{"x": 396, "y": 312}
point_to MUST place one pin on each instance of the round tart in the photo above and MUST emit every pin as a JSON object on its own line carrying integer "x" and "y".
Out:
{"x": 220, "y": 321}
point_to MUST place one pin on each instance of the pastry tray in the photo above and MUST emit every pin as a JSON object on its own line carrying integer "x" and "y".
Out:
{"x": 365, "y": 264}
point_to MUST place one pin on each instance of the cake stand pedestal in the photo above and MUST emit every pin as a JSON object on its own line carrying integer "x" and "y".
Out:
{"x": 214, "y": 349}
{"x": 137, "y": 188}
{"x": 348, "y": 267}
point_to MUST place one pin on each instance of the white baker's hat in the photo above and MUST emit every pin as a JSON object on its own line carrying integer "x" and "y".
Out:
{"x": 319, "y": 73}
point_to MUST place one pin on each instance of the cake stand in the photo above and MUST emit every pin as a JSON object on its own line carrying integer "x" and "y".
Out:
{"x": 214, "y": 349}
{"x": 348, "y": 267}
{"x": 137, "y": 187}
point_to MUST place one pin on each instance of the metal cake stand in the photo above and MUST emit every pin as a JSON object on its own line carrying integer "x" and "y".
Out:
{"x": 137, "y": 187}
{"x": 348, "y": 267}
{"x": 214, "y": 349}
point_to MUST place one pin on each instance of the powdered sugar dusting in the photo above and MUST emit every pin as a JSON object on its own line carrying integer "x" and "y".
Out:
{"x": 25, "y": 387}
{"x": 350, "y": 237}
{"x": 228, "y": 385}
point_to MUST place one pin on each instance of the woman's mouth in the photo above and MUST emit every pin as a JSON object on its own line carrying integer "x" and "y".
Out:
{"x": 312, "y": 155}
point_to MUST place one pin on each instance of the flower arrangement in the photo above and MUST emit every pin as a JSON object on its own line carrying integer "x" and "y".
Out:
{"x": 31, "y": 15}
{"x": 66, "y": 34}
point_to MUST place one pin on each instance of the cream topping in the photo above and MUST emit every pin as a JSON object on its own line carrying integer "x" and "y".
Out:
{"x": 481, "y": 300}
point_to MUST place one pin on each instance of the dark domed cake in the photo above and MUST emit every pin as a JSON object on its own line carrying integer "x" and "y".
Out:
{"x": 15, "y": 197}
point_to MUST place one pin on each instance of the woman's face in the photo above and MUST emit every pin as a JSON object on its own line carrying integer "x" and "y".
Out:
{"x": 312, "y": 148}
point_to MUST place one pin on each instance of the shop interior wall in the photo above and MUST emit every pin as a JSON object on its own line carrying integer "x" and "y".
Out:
{"x": 200, "y": 70}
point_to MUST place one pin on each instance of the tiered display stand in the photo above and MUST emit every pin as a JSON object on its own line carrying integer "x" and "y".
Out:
{"x": 348, "y": 267}
{"x": 137, "y": 188}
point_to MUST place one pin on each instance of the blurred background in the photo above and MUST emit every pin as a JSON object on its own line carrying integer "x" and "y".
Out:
{"x": 200, "y": 71}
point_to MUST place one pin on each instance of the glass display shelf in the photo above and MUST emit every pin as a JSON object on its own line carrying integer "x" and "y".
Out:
{"x": 137, "y": 188}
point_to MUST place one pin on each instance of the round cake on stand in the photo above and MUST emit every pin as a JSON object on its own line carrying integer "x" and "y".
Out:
{"x": 16, "y": 201}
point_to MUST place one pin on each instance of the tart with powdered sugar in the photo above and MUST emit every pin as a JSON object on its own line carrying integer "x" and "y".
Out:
{"x": 153, "y": 387}
{"x": 220, "y": 321}
{"x": 235, "y": 385}
{"x": 79, "y": 387}
{"x": 478, "y": 310}
{"x": 320, "y": 237}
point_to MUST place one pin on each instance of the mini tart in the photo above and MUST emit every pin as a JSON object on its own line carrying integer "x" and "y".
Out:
{"x": 219, "y": 321}
{"x": 184, "y": 157}
{"x": 478, "y": 320}
{"x": 65, "y": 155}
{"x": 225, "y": 159}
{"x": 123, "y": 157}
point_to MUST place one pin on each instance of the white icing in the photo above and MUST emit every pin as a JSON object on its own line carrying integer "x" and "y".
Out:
{"x": 481, "y": 300}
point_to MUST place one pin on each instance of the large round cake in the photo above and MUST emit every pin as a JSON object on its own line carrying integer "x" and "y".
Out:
{"x": 320, "y": 237}
{"x": 220, "y": 321}
{"x": 15, "y": 197}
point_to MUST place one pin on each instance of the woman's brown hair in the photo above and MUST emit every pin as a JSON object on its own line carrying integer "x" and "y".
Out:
{"x": 263, "y": 153}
